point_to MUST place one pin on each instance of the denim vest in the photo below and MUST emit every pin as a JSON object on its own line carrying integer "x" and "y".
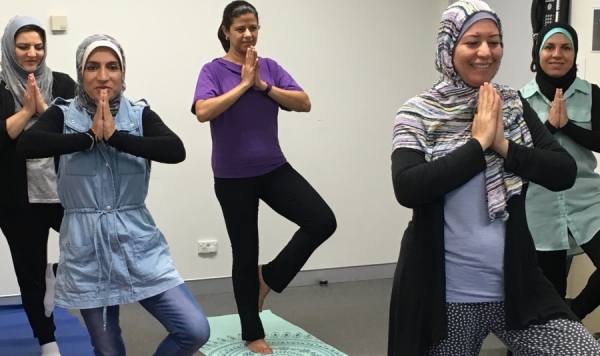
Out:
{"x": 551, "y": 215}
{"x": 111, "y": 251}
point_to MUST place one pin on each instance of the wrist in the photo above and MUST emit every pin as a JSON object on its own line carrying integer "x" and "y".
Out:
{"x": 28, "y": 112}
{"x": 502, "y": 148}
{"x": 484, "y": 144}
{"x": 267, "y": 88}
{"x": 93, "y": 137}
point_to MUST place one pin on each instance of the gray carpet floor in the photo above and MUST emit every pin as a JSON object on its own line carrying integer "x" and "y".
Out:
{"x": 351, "y": 317}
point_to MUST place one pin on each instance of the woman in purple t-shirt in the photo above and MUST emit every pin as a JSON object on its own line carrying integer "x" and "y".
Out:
{"x": 240, "y": 94}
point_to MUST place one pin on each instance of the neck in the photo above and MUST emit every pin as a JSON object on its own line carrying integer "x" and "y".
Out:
{"x": 235, "y": 57}
{"x": 548, "y": 84}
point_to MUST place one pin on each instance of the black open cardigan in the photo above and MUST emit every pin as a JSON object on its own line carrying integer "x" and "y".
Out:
{"x": 418, "y": 305}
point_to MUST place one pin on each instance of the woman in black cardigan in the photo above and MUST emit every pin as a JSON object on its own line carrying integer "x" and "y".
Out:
{"x": 29, "y": 205}
{"x": 464, "y": 152}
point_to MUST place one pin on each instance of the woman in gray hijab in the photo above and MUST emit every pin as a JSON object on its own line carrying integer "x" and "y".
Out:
{"x": 29, "y": 205}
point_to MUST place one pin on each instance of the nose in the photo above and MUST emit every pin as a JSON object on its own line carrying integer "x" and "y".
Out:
{"x": 484, "y": 50}
{"x": 247, "y": 33}
{"x": 102, "y": 74}
{"x": 557, "y": 52}
{"x": 31, "y": 52}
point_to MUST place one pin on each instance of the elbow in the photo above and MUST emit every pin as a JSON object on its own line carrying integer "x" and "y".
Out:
{"x": 180, "y": 154}
{"x": 565, "y": 176}
{"x": 404, "y": 196}
{"x": 405, "y": 199}
{"x": 306, "y": 106}
{"x": 202, "y": 116}
{"x": 201, "y": 113}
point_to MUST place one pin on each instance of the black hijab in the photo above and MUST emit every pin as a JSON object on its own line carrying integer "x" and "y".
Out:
{"x": 546, "y": 83}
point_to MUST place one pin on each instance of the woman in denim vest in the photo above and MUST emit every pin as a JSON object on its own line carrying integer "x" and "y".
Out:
{"x": 111, "y": 251}
{"x": 570, "y": 109}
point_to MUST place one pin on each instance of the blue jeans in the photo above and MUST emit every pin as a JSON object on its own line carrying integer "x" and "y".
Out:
{"x": 176, "y": 309}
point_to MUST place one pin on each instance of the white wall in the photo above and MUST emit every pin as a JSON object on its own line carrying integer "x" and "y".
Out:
{"x": 358, "y": 60}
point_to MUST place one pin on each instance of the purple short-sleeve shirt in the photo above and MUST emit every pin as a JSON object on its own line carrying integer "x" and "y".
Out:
{"x": 245, "y": 142}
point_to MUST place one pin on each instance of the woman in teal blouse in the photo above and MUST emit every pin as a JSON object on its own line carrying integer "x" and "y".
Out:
{"x": 570, "y": 108}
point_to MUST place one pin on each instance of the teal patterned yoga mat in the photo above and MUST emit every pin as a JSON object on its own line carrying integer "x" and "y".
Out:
{"x": 285, "y": 338}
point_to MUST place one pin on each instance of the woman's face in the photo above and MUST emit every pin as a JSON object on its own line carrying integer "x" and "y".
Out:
{"x": 477, "y": 54}
{"x": 102, "y": 71}
{"x": 243, "y": 32}
{"x": 29, "y": 50}
{"x": 557, "y": 56}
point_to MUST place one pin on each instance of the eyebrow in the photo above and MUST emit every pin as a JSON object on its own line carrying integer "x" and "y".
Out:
{"x": 98, "y": 63}
{"x": 568, "y": 43}
{"x": 29, "y": 44}
{"x": 479, "y": 35}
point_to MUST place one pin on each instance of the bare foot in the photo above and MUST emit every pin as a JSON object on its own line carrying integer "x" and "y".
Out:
{"x": 260, "y": 346}
{"x": 263, "y": 289}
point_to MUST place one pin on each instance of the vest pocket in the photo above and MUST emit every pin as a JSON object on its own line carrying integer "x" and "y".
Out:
{"x": 129, "y": 164}
{"x": 152, "y": 258}
{"x": 80, "y": 163}
{"x": 81, "y": 269}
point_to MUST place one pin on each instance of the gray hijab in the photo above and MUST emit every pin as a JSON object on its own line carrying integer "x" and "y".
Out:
{"x": 13, "y": 74}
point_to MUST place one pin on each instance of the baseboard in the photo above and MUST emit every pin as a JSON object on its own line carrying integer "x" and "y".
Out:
{"x": 10, "y": 300}
{"x": 304, "y": 278}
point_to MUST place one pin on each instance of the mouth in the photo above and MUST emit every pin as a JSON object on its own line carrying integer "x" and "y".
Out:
{"x": 480, "y": 66}
{"x": 103, "y": 88}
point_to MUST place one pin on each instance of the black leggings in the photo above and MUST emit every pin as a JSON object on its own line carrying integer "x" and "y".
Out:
{"x": 291, "y": 196}
{"x": 26, "y": 232}
{"x": 554, "y": 266}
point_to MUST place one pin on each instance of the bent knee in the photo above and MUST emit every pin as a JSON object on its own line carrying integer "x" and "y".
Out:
{"x": 324, "y": 226}
{"x": 195, "y": 334}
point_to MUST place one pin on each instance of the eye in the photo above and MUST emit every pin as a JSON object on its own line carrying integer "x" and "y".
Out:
{"x": 113, "y": 67}
{"x": 39, "y": 47}
{"x": 91, "y": 67}
{"x": 494, "y": 43}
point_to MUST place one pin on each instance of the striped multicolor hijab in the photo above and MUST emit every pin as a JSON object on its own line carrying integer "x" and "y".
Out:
{"x": 439, "y": 120}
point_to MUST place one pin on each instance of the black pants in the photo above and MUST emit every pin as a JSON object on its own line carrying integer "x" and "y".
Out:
{"x": 291, "y": 196}
{"x": 27, "y": 234}
{"x": 554, "y": 266}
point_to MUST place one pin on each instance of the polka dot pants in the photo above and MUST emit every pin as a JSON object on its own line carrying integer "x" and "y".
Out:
{"x": 470, "y": 323}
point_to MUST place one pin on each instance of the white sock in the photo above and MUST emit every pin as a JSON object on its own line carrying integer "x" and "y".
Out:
{"x": 50, "y": 349}
{"x": 49, "y": 296}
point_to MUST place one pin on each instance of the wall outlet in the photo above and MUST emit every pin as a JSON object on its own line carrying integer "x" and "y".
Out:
{"x": 206, "y": 247}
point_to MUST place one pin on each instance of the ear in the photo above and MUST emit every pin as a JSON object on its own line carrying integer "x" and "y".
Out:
{"x": 225, "y": 30}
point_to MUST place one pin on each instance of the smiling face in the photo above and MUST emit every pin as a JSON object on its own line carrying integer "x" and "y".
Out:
{"x": 557, "y": 55}
{"x": 478, "y": 53}
{"x": 102, "y": 71}
{"x": 29, "y": 50}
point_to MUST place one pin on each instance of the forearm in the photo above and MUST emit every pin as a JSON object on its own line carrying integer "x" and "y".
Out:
{"x": 294, "y": 100}
{"x": 41, "y": 144}
{"x": 163, "y": 149}
{"x": 417, "y": 182}
{"x": 209, "y": 109}
{"x": 586, "y": 138}
{"x": 16, "y": 123}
